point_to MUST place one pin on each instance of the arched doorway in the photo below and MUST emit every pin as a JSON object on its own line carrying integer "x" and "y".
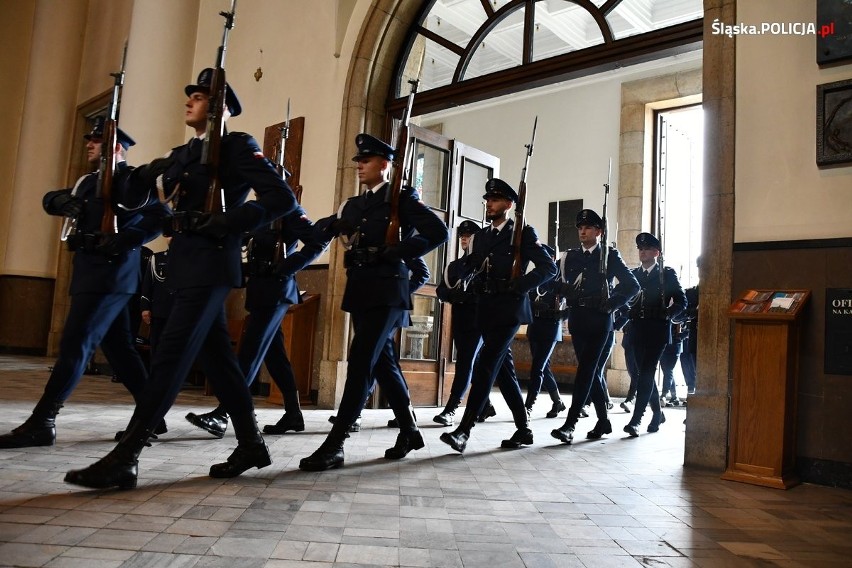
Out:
{"x": 381, "y": 40}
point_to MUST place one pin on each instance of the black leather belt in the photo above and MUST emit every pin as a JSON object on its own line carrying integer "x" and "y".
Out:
{"x": 362, "y": 256}
{"x": 182, "y": 222}
{"x": 87, "y": 242}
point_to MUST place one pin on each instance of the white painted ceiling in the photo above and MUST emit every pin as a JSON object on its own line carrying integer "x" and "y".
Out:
{"x": 561, "y": 27}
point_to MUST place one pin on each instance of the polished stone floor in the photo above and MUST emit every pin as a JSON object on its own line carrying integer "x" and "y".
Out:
{"x": 613, "y": 502}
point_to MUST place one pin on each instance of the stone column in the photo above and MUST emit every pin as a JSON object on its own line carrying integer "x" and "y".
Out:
{"x": 707, "y": 415}
{"x": 160, "y": 54}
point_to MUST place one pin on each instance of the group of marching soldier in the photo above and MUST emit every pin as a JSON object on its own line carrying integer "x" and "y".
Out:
{"x": 197, "y": 197}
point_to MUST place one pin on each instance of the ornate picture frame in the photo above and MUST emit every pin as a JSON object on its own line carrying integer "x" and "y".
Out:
{"x": 834, "y": 123}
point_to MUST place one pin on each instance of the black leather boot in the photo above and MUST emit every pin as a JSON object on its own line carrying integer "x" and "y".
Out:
{"x": 409, "y": 437}
{"x": 457, "y": 439}
{"x": 558, "y": 405}
{"x": 120, "y": 467}
{"x": 160, "y": 428}
{"x": 330, "y": 453}
{"x": 654, "y": 425}
{"x": 251, "y": 450}
{"x": 488, "y": 412}
{"x": 394, "y": 422}
{"x": 38, "y": 430}
{"x": 447, "y": 416}
{"x": 292, "y": 419}
{"x": 565, "y": 433}
{"x": 602, "y": 427}
{"x": 214, "y": 422}
{"x": 523, "y": 436}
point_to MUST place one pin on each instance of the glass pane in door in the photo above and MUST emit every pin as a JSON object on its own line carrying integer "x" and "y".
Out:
{"x": 420, "y": 340}
{"x": 430, "y": 174}
{"x": 473, "y": 178}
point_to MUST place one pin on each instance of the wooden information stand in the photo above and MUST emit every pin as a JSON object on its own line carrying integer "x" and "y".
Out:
{"x": 763, "y": 402}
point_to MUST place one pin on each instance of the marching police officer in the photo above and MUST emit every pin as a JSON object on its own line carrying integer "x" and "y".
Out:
{"x": 204, "y": 265}
{"x": 453, "y": 289}
{"x": 591, "y": 300}
{"x": 661, "y": 298}
{"x": 106, "y": 272}
{"x": 271, "y": 289}
{"x": 542, "y": 334}
{"x": 377, "y": 295}
{"x": 502, "y": 307}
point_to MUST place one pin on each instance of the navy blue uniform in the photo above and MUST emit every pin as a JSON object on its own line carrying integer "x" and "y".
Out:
{"x": 465, "y": 332}
{"x": 101, "y": 286}
{"x": 590, "y": 320}
{"x": 202, "y": 270}
{"x": 542, "y": 334}
{"x": 270, "y": 291}
{"x": 690, "y": 344}
{"x": 377, "y": 293}
{"x": 157, "y": 295}
{"x": 651, "y": 330}
{"x": 502, "y": 307}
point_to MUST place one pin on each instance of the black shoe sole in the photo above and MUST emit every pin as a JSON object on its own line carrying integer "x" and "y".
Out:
{"x": 320, "y": 467}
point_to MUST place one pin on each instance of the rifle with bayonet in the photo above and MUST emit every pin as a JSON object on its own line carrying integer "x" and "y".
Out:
{"x": 278, "y": 225}
{"x": 107, "y": 164}
{"x": 604, "y": 260}
{"x": 210, "y": 152}
{"x": 401, "y": 169}
{"x": 520, "y": 221}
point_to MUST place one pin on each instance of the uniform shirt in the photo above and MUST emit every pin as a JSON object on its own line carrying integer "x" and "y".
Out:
{"x": 491, "y": 262}
{"x": 656, "y": 304}
{"x": 547, "y": 305}
{"x": 280, "y": 286}
{"x": 385, "y": 283}
{"x": 582, "y": 274}
{"x": 197, "y": 260}
{"x": 92, "y": 271}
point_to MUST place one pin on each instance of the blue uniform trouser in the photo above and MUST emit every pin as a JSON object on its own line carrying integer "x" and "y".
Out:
{"x": 263, "y": 342}
{"x": 196, "y": 329}
{"x": 96, "y": 319}
{"x": 589, "y": 348}
{"x": 371, "y": 342}
{"x": 540, "y": 353}
{"x": 648, "y": 351}
{"x": 467, "y": 346}
{"x": 667, "y": 364}
{"x": 490, "y": 365}
{"x": 628, "y": 343}
{"x": 687, "y": 364}
{"x": 601, "y": 375}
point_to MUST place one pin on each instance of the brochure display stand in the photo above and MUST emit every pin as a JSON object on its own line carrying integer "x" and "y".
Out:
{"x": 762, "y": 435}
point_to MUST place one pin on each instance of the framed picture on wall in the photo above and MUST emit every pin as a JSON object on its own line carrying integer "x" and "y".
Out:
{"x": 834, "y": 123}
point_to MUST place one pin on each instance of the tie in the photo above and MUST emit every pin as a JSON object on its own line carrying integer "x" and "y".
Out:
{"x": 495, "y": 232}
{"x": 587, "y": 253}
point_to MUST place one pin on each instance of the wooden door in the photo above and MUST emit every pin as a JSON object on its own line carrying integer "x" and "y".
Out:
{"x": 450, "y": 177}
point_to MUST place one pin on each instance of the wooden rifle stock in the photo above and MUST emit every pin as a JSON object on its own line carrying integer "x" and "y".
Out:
{"x": 106, "y": 173}
{"x": 520, "y": 220}
{"x": 400, "y": 170}
{"x": 211, "y": 150}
